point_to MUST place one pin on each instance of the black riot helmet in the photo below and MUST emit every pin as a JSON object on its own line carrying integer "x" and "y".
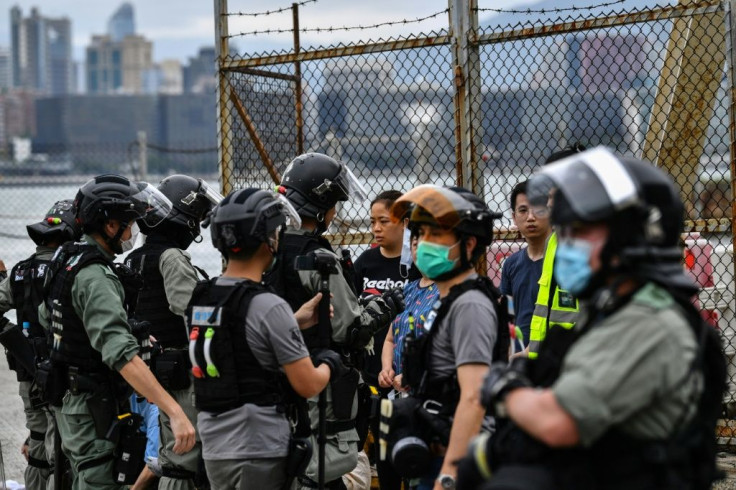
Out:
{"x": 314, "y": 183}
{"x": 455, "y": 209}
{"x": 639, "y": 202}
{"x": 248, "y": 217}
{"x": 191, "y": 200}
{"x": 58, "y": 226}
{"x": 113, "y": 196}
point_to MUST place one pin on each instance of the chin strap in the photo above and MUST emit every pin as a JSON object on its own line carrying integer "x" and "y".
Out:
{"x": 114, "y": 241}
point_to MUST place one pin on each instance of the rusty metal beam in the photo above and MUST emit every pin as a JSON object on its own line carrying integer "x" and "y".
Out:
{"x": 686, "y": 98}
{"x": 254, "y": 136}
{"x": 265, "y": 74}
{"x": 353, "y": 50}
{"x": 663, "y": 13}
{"x": 298, "y": 83}
{"x": 224, "y": 118}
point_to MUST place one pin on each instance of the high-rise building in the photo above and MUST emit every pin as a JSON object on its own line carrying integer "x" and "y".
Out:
{"x": 122, "y": 23}
{"x": 6, "y": 69}
{"x": 199, "y": 74}
{"x": 118, "y": 67}
{"x": 41, "y": 52}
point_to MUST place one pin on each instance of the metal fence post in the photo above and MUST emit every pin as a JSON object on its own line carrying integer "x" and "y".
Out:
{"x": 730, "y": 18}
{"x": 224, "y": 117}
{"x": 466, "y": 68}
{"x": 298, "y": 83}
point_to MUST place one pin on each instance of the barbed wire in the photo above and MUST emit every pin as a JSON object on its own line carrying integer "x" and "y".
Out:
{"x": 267, "y": 12}
{"x": 549, "y": 11}
{"x": 343, "y": 28}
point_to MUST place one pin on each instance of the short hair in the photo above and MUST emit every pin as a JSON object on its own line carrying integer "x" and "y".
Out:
{"x": 519, "y": 188}
{"x": 387, "y": 198}
{"x": 567, "y": 151}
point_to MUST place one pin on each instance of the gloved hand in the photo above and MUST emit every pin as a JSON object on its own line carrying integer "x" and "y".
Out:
{"x": 501, "y": 380}
{"x": 375, "y": 314}
{"x": 332, "y": 359}
{"x": 394, "y": 299}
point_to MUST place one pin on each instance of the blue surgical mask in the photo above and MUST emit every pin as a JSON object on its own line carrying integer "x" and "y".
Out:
{"x": 433, "y": 259}
{"x": 572, "y": 265}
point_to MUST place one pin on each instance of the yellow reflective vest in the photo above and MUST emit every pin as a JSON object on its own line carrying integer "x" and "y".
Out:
{"x": 564, "y": 310}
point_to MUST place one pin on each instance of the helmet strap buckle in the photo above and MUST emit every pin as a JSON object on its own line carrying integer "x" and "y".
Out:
{"x": 323, "y": 187}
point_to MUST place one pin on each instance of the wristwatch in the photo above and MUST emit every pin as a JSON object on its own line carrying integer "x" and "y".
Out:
{"x": 447, "y": 481}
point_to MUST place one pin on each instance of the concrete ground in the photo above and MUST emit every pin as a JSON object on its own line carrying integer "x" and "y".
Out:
{"x": 13, "y": 432}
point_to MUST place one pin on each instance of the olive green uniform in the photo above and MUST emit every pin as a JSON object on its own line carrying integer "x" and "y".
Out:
{"x": 97, "y": 297}
{"x": 632, "y": 371}
{"x": 180, "y": 277}
{"x": 39, "y": 421}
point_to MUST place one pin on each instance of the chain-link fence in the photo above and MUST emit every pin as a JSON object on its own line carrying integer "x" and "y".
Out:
{"x": 484, "y": 106}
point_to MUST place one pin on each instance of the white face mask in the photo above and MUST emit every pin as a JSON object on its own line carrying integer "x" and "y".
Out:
{"x": 127, "y": 245}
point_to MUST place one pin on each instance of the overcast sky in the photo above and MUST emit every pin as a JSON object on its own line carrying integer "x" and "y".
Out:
{"x": 179, "y": 27}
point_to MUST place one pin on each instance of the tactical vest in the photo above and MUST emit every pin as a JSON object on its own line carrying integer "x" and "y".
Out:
{"x": 152, "y": 304}
{"x": 226, "y": 373}
{"x": 563, "y": 310}
{"x": 285, "y": 281}
{"x": 26, "y": 285}
{"x": 617, "y": 460}
{"x": 417, "y": 357}
{"x": 69, "y": 343}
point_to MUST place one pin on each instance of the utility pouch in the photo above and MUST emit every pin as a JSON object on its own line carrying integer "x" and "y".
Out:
{"x": 343, "y": 394}
{"x": 40, "y": 348}
{"x": 103, "y": 408}
{"x": 20, "y": 348}
{"x": 52, "y": 381}
{"x": 300, "y": 452}
{"x": 171, "y": 369}
{"x": 130, "y": 448}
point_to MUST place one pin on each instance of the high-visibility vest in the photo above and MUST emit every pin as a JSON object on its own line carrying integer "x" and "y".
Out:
{"x": 564, "y": 310}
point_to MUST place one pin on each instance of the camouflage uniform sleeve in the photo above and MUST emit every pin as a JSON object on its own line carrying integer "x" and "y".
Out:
{"x": 180, "y": 278}
{"x": 97, "y": 296}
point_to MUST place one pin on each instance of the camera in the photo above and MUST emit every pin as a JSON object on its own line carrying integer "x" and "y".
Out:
{"x": 323, "y": 262}
{"x": 402, "y": 437}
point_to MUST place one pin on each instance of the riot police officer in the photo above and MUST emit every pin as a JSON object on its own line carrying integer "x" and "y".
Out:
{"x": 168, "y": 281}
{"x": 249, "y": 359}
{"x": 23, "y": 291}
{"x": 465, "y": 332}
{"x": 628, "y": 398}
{"x": 314, "y": 183}
{"x": 92, "y": 346}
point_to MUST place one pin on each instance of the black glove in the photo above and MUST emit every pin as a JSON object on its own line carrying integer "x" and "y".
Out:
{"x": 394, "y": 299}
{"x": 332, "y": 359}
{"x": 501, "y": 380}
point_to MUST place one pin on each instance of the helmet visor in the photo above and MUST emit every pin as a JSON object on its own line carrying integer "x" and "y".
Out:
{"x": 350, "y": 186}
{"x": 208, "y": 192}
{"x": 432, "y": 204}
{"x": 595, "y": 184}
{"x": 157, "y": 205}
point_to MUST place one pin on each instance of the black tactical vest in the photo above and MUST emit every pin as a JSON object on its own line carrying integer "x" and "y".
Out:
{"x": 26, "y": 284}
{"x": 152, "y": 305}
{"x": 284, "y": 278}
{"x": 226, "y": 374}
{"x": 69, "y": 343}
{"x": 417, "y": 359}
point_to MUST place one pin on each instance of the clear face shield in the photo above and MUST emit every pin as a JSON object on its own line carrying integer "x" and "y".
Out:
{"x": 595, "y": 184}
{"x": 349, "y": 185}
{"x": 292, "y": 217}
{"x": 158, "y": 206}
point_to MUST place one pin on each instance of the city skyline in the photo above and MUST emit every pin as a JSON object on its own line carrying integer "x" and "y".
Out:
{"x": 181, "y": 35}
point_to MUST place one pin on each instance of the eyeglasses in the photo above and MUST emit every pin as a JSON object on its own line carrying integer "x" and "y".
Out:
{"x": 538, "y": 211}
